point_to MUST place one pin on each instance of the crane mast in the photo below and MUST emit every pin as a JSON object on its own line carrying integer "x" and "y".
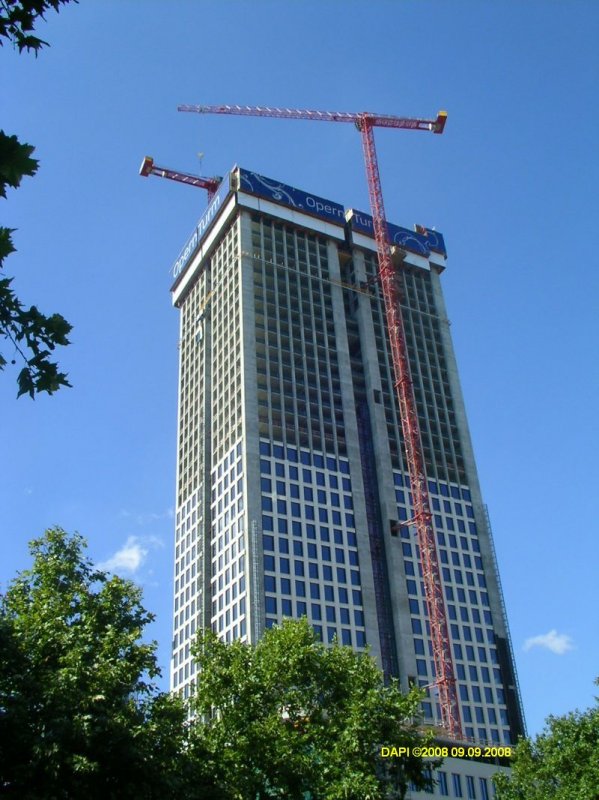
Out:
{"x": 149, "y": 168}
{"x": 445, "y": 679}
{"x": 389, "y": 280}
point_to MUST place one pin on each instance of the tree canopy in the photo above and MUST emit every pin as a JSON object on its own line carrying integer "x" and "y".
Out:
{"x": 562, "y": 763}
{"x": 80, "y": 713}
{"x": 32, "y": 335}
{"x": 18, "y": 19}
{"x": 289, "y": 716}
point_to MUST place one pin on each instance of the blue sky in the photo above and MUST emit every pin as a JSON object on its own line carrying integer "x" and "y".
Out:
{"x": 511, "y": 184}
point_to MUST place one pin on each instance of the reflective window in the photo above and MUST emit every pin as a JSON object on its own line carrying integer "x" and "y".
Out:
{"x": 271, "y": 605}
{"x": 443, "y": 790}
{"x": 470, "y": 787}
{"x": 457, "y": 784}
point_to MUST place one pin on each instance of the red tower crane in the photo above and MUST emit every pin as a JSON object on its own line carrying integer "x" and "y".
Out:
{"x": 149, "y": 168}
{"x": 422, "y": 519}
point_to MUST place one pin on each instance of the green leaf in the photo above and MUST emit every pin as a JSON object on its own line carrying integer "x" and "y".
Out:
{"x": 18, "y": 17}
{"x": 26, "y": 383}
{"x": 57, "y": 328}
{"x": 32, "y": 335}
{"x": 6, "y": 245}
{"x": 15, "y": 162}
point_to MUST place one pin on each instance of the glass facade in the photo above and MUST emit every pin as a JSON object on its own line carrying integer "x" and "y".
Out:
{"x": 311, "y": 561}
{"x": 299, "y": 390}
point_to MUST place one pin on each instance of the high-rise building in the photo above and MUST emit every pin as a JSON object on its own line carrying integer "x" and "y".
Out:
{"x": 292, "y": 487}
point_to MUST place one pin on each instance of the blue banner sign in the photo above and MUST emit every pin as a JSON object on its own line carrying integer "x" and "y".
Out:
{"x": 417, "y": 242}
{"x": 260, "y": 186}
{"x": 202, "y": 228}
{"x": 421, "y": 241}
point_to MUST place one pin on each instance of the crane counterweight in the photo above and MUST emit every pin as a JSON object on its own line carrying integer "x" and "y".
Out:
{"x": 209, "y": 184}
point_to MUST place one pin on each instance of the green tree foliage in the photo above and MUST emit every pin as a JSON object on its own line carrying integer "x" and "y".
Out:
{"x": 32, "y": 336}
{"x": 562, "y": 763}
{"x": 18, "y": 18}
{"x": 80, "y": 715}
{"x": 289, "y": 716}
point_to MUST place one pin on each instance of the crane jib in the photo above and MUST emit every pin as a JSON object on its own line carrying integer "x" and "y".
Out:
{"x": 359, "y": 118}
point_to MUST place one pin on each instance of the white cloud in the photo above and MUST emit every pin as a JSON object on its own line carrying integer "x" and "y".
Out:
{"x": 147, "y": 518}
{"x": 558, "y": 643}
{"x": 129, "y": 558}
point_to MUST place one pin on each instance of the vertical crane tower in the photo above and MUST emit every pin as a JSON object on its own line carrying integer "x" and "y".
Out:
{"x": 389, "y": 279}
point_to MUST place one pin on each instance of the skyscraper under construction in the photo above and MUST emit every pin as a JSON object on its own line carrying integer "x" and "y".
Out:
{"x": 293, "y": 494}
